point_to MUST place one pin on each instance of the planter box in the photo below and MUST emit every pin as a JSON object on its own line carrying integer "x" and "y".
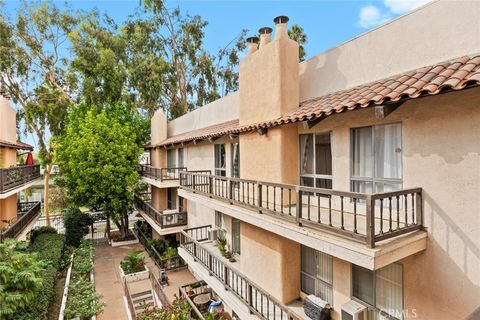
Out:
{"x": 122, "y": 243}
{"x": 137, "y": 276}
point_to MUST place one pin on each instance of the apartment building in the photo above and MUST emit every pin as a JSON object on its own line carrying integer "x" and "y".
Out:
{"x": 353, "y": 176}
{"x": 16, "y": 218}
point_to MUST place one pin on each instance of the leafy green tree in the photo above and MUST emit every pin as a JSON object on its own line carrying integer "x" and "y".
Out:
{"x": 298, "y": 34}
{"x": 98, "y": 158}
{"x": 77, "y": 226}
{"x": 34, "y": 74}
{"x": 20, "y": 277}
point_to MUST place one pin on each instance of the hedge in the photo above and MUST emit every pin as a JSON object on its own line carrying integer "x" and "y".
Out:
{"x": 49, "y": 248}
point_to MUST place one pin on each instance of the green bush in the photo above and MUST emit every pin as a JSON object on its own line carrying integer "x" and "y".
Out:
{"x": 49, "y": 248}
{"x": 38, "y": 231}
{"x": 133, "y": 262}
{"x": 83, "y": 302}
{"x": 77, "y": 226}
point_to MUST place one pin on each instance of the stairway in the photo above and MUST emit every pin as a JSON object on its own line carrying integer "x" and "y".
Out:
{"x": 141, "y": 299}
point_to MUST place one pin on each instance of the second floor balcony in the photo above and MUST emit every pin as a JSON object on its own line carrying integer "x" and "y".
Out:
{"x": 167, "y": 177}
{"x": 16, "y": 178}
{"x": 27, "y": 213}
{"x": 164, "y": 222}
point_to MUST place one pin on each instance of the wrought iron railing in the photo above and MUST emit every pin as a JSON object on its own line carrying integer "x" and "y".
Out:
{"x": 190, "y": 291}
{"x": 164, "y": 220}
{"x": 162, "y": 174}
{"x": 26, "y": 213}
{"x": 131, "y": 306}
{"x": 257, "y": 300}
{"x": 367, "y": 218}
{"x": 13, "y": 177}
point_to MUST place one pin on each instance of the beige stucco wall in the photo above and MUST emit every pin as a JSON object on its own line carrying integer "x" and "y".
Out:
{"x": 441, "y": 154}
{"x": 159, "y": 198}
{"x": 199, "y": 215}
{"x": 8, "y": 209}
{"x": 271, "y": 261}
{"x": 8, "y": 121}
{"x": 8, "y": 157}
{"x": 420, "y": 38}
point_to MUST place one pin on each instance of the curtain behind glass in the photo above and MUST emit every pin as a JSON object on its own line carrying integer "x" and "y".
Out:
{"x": 235, "y": 160}
{"x": 171, "y": 163}
{"x": 389, "y": 292}
{"x": 180, "y": 157}
{"x": 362, "y": 152}
{"x": 388, "y": 146}
{"x": 306, "y": 154}
{"x": 362, "y": 281}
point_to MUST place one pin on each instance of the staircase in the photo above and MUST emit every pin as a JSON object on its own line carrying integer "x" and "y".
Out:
{"x": 141, "y": 299}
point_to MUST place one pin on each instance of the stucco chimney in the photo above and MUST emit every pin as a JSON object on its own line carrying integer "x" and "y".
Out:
{"x": 281, "y": 27}
{"x": 264, "y": 35}
{"x": 252, "y": 44}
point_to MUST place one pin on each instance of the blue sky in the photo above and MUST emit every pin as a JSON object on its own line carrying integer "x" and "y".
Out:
{"x": 326, "y": 23}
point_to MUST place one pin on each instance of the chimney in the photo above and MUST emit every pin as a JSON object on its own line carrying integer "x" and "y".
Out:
{"x": 252, "y": 44}
{"x": 264, "y": 35}
{"x": 281, "y": 27}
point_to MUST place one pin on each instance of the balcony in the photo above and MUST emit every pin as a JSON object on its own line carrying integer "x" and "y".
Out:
{"x": 381, "y": 221}
{"x": 164, "y": 177}
{"x": 164, "y": 222}
{"x": 242, "y": 295}
{"x": 27, "y": 212}
{"x": 17, "y": 178}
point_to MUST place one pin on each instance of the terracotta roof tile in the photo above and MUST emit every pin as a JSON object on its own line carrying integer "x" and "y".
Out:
{"x": 455, "y": 74}
{"x": 16, "y": 145}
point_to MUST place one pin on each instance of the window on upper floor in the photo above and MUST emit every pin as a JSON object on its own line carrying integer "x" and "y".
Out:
{"x": 376, "y": 158}
{"x": 317, "y": 274}
{"x": 382, "y": 290}
{"x": 171, "y": 198}
{"x": 181, "y": 160}
{"x": 171, "y": 158}
{"x": 316, "y": 160}
{"x": 220, "y": 160}
{"x": 221, "y": 223}
{"x": 236, "y": 160}
{"x": 235, "y": 236}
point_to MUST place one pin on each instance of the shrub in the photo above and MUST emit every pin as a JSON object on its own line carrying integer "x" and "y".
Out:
{"x": 21, "y": 275}
{"x": 170, "y": 253}
{"x": 42, "y": 230}
{"x": 83, "y": 302}
{"x": 77, "y": 226}
{"x": 133, "y": 262}
{"x": 49, "y": 248}
{"x": 180, "y": 309}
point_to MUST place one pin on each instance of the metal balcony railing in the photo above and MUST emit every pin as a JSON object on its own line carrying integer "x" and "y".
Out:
{"x": 368, "y": 218}
{"x": 13, "y": 177}
{"x": 26, "y": 213}
{"x": 164, "y": 220}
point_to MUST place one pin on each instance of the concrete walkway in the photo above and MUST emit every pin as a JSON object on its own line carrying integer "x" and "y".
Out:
{"x": 109, "y": 284}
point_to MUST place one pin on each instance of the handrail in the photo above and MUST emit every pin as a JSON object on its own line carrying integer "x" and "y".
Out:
{"x": 173, "y": 263}
{"x": 131, "y": 307}
{"x": 157, "y": 288}
{"x": 33, "y": 210}
{"x": 13, "y": 177}
{"x": 258, "y": 300}
{"x": 165, "y": 220}
{"x": 367, "y": 218}
{"x": 183, "y": 293}
{"x": 162, "y": 174}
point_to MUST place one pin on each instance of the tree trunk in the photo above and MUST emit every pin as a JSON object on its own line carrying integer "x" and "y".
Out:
{"x": 46, "y": 177}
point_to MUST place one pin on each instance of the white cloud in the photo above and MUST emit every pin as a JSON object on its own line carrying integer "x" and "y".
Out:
{"x": 371, "y": 16}
{"x": 402, "y": 6}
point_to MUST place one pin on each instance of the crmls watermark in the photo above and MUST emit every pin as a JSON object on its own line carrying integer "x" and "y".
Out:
{"x": 408, "y": 313}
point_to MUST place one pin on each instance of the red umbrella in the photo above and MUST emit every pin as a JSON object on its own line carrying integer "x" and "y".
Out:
{"x": 29, "y": 161}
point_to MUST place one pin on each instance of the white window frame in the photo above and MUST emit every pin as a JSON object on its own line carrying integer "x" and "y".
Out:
{"x": 236, "y": 250}
{"x": 181, "y": 157}
{"x": 314, "y": 175}
{"x": 317, "y": 281}
{"x": 373, "y": 179}
{"x": 220, "y": 171}
{"x": 172, "y": 158}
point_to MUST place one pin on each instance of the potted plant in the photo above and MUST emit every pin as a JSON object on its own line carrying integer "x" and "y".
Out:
{"x": 222, "y": 245}
{"x": 133, "y": 267}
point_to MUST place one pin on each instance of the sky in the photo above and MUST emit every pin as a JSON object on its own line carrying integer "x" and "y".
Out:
{"x": 326, "y": 23}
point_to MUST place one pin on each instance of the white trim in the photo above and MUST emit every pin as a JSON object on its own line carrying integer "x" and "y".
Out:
{"x": 61, "y": 315}
{"x": 17, "y": 190}
{"x": 162, "y": 184}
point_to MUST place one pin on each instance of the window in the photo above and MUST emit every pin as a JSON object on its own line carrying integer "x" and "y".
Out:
{"x": 220, "y": 165}
{"x": 236, "y": 160}
{"x": 181, "y": 162}
{"x": 316, "y": 160}
{"x": 381, "y": 289}
{"x": 377, "y": 158}
{"x": 171, "y": 160}
{"x": 235, "y": 236}
{"x": 317, "y": 274}
{"x": 220, "y": 223}
{"x": 171, "y": 203}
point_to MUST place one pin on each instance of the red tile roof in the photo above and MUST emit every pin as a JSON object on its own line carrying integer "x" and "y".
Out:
{"x": 455, "y": 74}
{"x": 15, "y": 145}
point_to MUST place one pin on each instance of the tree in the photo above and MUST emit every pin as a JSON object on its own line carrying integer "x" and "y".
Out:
{"x": 298, "y": 34}
{"x": 156, "y": 59}
{"x": 34, "y": 74}
{"x": 77, "y": 226}
{"x": 20, "y": 277}
{"x": 98, "y": 157}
